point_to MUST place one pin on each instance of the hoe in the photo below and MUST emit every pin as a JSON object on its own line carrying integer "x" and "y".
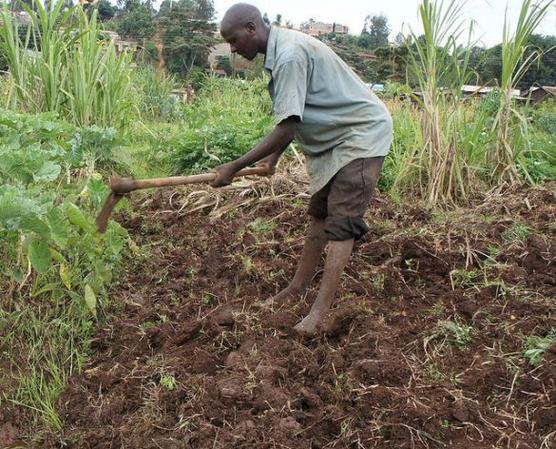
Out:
{"x": 121, "y": 186}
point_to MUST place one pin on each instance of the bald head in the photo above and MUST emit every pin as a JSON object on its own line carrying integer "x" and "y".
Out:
{"x": 240, "y": 14}
{"x": 244, "y": 29}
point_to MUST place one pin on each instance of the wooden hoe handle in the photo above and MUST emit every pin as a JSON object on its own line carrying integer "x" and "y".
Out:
{"x": 121, "y": 186}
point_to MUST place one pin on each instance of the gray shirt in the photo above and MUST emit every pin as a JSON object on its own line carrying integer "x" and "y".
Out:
{"x": 340, "y": 118}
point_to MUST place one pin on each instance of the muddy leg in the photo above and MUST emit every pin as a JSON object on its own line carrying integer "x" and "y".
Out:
{"x": 310, "y": 258}
{"x": 338, "y": 256}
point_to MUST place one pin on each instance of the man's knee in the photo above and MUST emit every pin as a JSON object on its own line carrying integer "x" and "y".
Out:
{"x": 345, "y": 228}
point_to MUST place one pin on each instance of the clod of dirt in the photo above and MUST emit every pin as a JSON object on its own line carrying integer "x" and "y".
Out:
{"x": 8, "y": 434}
{"x": 232, "y": 388}
{"x": 224, "y": 316}
{"x": 187, "y": 332}
{"x": 235, "y": 359}
{"x": 289, "y": 424}
{"x": 460, "y": 414}
{"x": 468, "y": 309}
{"x": 270, "y": 374}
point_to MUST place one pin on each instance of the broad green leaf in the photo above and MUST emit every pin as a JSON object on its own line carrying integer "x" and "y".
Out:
{"x": 35, "y": 224}
{"x": 65, "y": 276}
{"x": 77, "y": 218}
{"x": 58, "y": 227}
{"x": 39, "y": 255}
{"x": 48, "y": 172}
{"x": 91, "y": 300}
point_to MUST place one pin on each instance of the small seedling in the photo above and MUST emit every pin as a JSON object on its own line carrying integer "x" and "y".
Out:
{"x": 168, "y": 382}
{"x": 537, "y": 346}
{"x": 260, "y": 226}
{"x": 378, "y": 282}
{"x": 517, "y": 232}
{"x": 462, "y": 278}
{"x": 209, "y": 299}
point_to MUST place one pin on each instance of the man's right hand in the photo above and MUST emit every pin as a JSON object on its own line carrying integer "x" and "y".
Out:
{"x": 224, "y": 175}
{"x": 269, "y": 163}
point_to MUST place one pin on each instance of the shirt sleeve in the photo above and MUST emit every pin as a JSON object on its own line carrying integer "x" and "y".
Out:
{"x": 290, "y": 89}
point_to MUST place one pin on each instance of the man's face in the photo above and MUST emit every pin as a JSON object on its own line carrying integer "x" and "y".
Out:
{"x": 242, "y": 40}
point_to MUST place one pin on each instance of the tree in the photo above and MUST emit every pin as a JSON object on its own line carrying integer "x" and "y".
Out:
{"x": 136, "y": 20}
{"x": 375, "y": 32}
{"x": 106, "y": 10}
{"x": 544, "y": 71}
{"x": 188, "y": 34}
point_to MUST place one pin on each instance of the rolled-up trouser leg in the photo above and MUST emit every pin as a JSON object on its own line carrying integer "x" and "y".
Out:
{"x": 342, "y": 203}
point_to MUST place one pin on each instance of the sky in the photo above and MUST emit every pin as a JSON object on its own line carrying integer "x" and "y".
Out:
{"x": 488, "y": 14}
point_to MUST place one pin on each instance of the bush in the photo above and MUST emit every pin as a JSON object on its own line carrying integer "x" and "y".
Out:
{"x": 228, "y": 118}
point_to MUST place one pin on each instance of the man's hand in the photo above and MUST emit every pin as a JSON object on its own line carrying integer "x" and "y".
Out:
{"x": 269, "y": 163}
{"x": 224, "y": 175}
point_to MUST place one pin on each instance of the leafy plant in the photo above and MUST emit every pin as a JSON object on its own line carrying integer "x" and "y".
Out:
{"x": 506, "y": 154}
{"x": 537, "y": 347}
{"x": 51, "y": 251}
{"x": 217, "y": 130}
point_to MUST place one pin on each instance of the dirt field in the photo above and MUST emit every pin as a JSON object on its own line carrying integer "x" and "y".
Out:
{"x": 425, "y": 347}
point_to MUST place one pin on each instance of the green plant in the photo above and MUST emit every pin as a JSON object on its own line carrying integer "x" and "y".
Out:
{"x": 463, "y": 278}
{"x": 217, "y": 129}
{"x": 261, "y": 226}
{"x": 168, "y": 382}
{"x": 56, "y": 267}
{"x": 450, "y": 332}
{"x": 507, "y": 152}
{"x": 440, "y": 66}
{"x": 537, "y": 347}
{"x": 61, "y": 65}
{"x": 516, "y": 232}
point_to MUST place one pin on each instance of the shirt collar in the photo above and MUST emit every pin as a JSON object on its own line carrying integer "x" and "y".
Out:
{"x": 271, "y": 49}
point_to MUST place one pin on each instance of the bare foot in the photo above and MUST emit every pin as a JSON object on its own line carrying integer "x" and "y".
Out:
{"x": 284, "y": 296}
{"x": 309, "y": 325}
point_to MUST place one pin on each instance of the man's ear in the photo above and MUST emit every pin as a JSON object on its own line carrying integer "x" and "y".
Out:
{"x": 251, "y": 27}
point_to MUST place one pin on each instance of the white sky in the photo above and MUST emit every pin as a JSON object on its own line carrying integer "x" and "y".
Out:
{"x": 488, "y": 14}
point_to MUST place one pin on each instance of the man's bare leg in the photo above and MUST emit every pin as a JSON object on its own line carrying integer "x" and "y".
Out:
{"x": 339, "y": 253}
{"x": 312, "y": 251}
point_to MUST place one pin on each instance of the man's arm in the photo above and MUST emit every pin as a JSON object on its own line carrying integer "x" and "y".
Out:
{"x": 271, "y": 147}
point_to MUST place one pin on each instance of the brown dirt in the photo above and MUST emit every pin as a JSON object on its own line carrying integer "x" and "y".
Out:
{"x": 194, "y": 361}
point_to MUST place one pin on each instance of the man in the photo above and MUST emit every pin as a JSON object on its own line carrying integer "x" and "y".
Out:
{"x": 344, "y": 130}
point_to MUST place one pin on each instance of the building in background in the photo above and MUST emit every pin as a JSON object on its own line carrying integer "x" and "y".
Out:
{"x": 539, "y": 93}
{"x": 314, "y": 29}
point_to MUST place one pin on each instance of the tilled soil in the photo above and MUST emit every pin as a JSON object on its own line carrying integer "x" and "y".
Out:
{"x": 424, "y": 348}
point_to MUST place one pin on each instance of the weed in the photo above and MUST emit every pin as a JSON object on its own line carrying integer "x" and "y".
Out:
{"x": 462, "y": 278}
{"x": 517, "y": 232}
{"x": 261, "y": 226}
{"x": 148, "y": 325}
{"x": 378, "y": 282}
{"x": 537, "y": 346}
{"x": 248, "y": 265}
{"x": 451, "y": 332}
{"x": 168, "y": 382}
{"x": 209, "y": 299}
{"x": 488, "y": 219}
{"x": 438, "y": 309}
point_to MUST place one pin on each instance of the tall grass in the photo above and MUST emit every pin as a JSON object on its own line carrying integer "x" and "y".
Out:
{"x": 61, "y": 65}
{"x": 507, "y": 153}
{"x": 440, "y": 66}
